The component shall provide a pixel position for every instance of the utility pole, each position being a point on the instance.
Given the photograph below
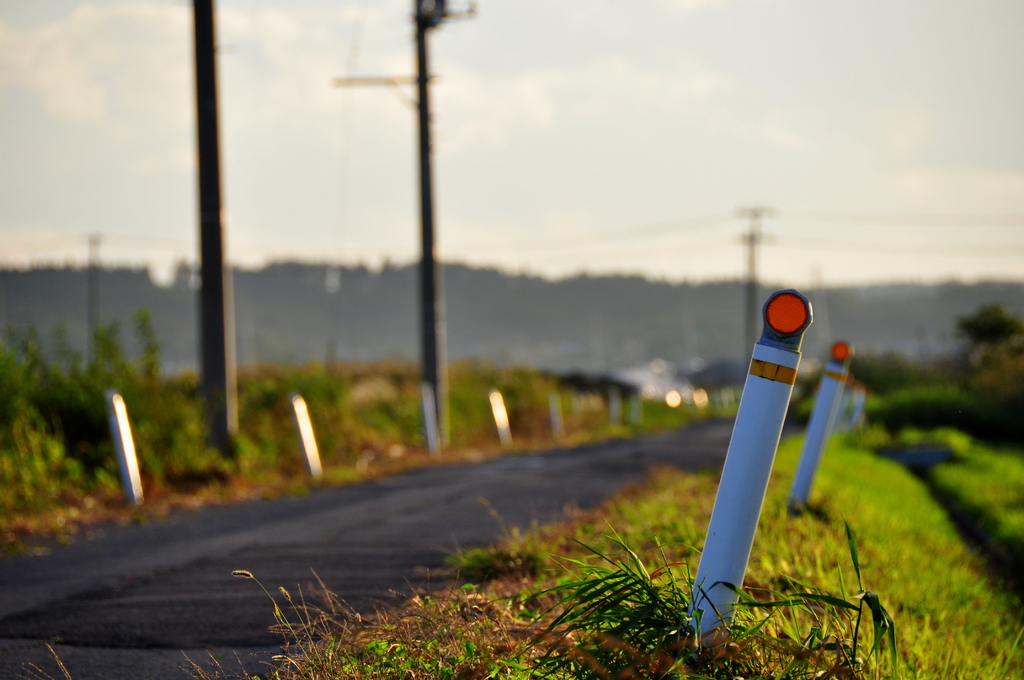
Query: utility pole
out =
(433, 340)
(432, 321)
(92, 310)
(753, 239)
(216, 315)
(821, 307)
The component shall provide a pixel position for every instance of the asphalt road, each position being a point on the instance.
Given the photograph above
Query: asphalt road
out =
(132, 601)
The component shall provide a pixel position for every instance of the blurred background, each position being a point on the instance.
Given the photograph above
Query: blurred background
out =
(596, 164)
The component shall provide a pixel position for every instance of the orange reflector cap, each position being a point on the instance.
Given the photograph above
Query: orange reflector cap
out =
(841, 351)
(787, 313)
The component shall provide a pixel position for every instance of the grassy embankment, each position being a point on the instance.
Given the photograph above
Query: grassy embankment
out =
(57, 465)
(983, 481)
(952, 619)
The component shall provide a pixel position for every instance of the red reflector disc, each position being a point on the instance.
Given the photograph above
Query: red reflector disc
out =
(786, 313)
(840, 351)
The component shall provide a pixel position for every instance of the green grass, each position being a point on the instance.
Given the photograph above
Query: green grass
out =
(953, 619)
(988, 484)
(609, 590)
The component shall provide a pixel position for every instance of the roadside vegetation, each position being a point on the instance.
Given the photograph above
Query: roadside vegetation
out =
(979, 391)
(57, 463)
(604, 595)
(986, 483)
(874, 581)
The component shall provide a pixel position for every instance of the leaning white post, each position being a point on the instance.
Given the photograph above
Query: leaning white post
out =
(860, 397)
(841, 423)
(307, 442)
(124, 445)
(826, 406)
(429, 410)
(555, 411)
(500, 417)
(748, 463)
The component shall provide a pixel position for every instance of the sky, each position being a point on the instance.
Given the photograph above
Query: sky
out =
(570, 136)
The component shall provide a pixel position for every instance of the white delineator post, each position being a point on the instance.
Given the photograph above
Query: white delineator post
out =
(823, 416)
(307, 442)
(636, 409)
(851, 406)
(555, 412)
(748, 463)
(614, 406)
(429, 409)
(124, 445)
(860, 397)
(500, 417)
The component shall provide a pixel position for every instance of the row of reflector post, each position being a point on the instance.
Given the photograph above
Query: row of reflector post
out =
(756, 433)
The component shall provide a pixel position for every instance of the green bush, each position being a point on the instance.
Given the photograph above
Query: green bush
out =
(886, 373)
(930, 407)
(55, 442)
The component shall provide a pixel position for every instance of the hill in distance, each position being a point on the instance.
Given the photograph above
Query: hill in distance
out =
(293, 313)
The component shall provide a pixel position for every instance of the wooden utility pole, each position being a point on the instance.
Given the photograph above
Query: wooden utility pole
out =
(753, 239)
(216, 314)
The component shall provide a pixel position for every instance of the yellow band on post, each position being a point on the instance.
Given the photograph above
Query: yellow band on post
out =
(770, 371)
(835, 376)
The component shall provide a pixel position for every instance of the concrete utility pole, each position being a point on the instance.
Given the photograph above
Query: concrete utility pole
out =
(433, 340)
(92, 310)
(216, 314)
(752, 239)
(432, 321)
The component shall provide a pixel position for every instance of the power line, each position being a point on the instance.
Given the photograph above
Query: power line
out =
(619, 252)
(618, 234)
(904, 219)
(554, 246)
(909, 248)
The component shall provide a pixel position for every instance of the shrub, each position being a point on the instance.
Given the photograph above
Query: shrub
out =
(930, 407)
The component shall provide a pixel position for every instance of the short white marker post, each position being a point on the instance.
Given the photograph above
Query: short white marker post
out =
(823, 416)
(614, 406)
(842, 419)
(860, 397)
(555, 412)
(636, 409)
(124, 445)
(429, 412)
(748, 463)
(307, 442)
(500, 417)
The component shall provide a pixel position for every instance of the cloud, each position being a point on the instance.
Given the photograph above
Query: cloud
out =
(127, 67)
(118, 64)
(487, 109)
(483, 110)
(907, 129)
(959, 189)
(689, 6)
